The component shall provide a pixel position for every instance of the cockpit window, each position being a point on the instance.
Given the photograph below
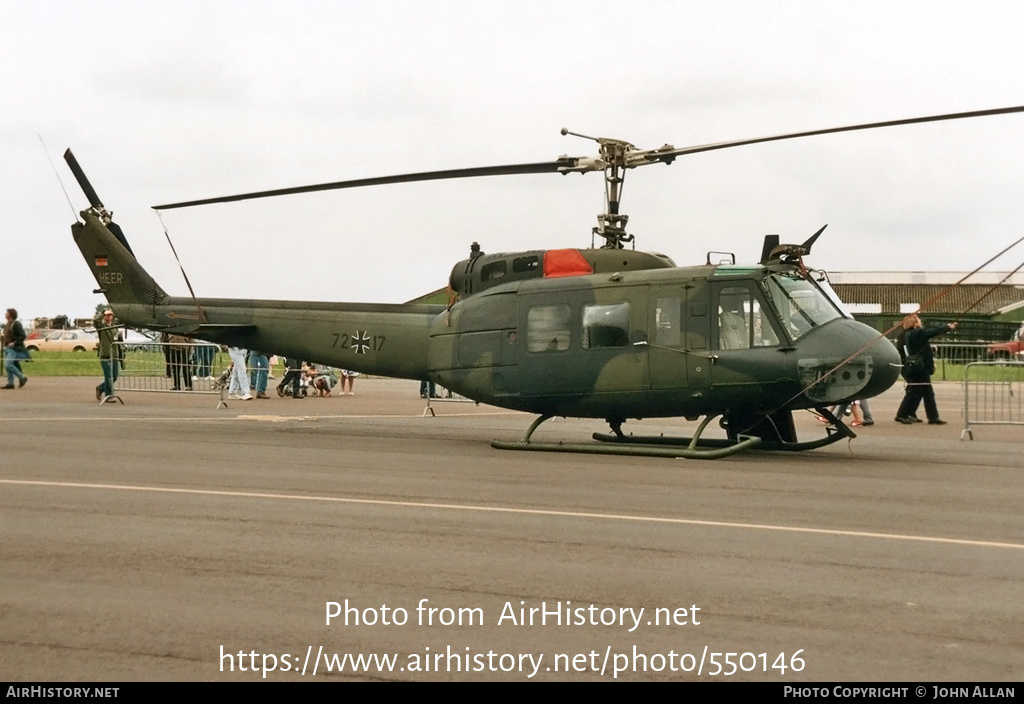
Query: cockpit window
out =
(801, 304)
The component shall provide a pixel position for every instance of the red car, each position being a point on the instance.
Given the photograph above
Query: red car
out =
(1013, 349)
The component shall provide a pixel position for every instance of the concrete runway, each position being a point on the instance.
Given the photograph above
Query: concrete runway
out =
(168, 540)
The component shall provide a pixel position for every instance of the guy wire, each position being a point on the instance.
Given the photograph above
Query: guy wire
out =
(202, 315)
(57, 174)
(989, 291)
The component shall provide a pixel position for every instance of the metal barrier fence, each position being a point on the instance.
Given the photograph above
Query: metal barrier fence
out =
(992, 395)
(193, 368)
(170, 367)
(952, 358)
(442, 395)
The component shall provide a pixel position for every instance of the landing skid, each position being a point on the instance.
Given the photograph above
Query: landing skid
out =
(689, 448)
(721, 442)
(620, 447)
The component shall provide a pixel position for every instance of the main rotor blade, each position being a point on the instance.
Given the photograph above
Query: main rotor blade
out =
(669, 154)
(511, 169)
(576, 164)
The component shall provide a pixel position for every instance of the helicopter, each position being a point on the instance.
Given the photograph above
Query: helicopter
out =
(603, 332)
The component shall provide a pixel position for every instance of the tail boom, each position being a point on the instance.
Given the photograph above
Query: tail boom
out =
(390, 340)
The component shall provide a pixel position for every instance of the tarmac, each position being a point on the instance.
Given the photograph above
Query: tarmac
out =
(354, 538)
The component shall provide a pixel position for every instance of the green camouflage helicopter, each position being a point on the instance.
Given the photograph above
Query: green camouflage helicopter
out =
(603, 332)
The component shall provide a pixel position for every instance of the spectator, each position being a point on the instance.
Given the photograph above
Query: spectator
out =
(348, 378)
(179, 352)
(239, 387)
(918, 366)
(109, 354)
(260, 364)
(293, 376)
(14, 350)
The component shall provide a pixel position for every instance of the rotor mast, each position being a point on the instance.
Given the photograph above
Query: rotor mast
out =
(611, 224)
(616, 156)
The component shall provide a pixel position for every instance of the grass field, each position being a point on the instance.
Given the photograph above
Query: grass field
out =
(979, 372)
(88, 364)
(62, 364)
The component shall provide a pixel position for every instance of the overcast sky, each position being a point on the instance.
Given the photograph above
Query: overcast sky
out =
(166, 101)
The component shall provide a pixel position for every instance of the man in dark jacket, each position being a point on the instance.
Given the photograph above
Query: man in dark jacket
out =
(14, 350)
(918, 367)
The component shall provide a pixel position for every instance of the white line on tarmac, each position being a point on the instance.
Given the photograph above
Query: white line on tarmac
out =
(418, 415)
(165, 419)
(525, 511)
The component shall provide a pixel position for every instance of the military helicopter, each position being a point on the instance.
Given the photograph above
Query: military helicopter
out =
(609, 332)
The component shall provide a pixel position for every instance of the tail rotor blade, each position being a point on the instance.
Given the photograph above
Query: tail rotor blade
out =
(90, 193)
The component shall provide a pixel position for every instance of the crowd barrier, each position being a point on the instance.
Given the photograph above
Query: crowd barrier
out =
(952, 357)
(443, 395)
(170, 367)
(178, 367)
(992, 395)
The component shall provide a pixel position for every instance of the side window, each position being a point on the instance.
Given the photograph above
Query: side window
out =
(667, 321)
(606, 325)
(742, 322)
(494, 270)
(733, 318)
(524, 264)
(547, 328)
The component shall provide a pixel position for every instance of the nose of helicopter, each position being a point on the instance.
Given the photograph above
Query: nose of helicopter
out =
(886, 361)
(846, 360)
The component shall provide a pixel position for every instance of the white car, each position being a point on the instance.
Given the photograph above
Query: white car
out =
(64, 341)
(140, 341)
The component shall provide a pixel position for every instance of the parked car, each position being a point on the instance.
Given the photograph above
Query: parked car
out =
(39, 333)
(134, 340)
(140, 340)
(1012, 349)
(64, 341)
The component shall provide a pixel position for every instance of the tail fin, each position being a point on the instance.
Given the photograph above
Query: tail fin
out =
(120, 276)
(106, 250)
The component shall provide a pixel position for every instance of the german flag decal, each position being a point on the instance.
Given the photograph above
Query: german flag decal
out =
(101, 261)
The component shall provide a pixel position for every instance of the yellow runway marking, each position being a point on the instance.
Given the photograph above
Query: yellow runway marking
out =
(525, 511)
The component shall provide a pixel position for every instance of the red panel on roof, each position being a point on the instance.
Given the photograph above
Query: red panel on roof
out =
(565, 262)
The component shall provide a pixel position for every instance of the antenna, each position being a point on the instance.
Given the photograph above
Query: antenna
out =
(57, 174)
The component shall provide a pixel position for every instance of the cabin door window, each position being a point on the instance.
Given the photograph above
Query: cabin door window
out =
(605, 325)
(547, 328)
